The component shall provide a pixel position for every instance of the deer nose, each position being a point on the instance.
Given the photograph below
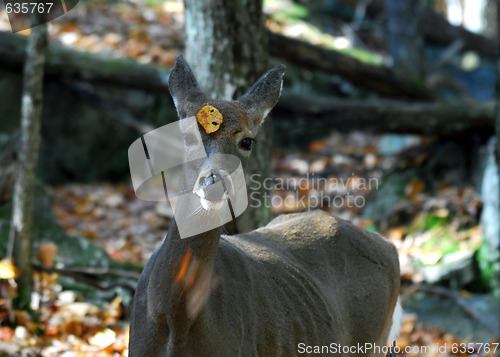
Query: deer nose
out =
(210, 180)
(213, 186)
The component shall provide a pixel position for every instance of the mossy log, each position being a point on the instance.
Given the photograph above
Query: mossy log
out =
(388, 116)
(66, 63)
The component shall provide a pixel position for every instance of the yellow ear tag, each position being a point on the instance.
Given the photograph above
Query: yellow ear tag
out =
(209, 118)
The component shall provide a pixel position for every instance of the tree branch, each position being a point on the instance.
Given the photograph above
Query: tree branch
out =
(81, 273)
(106, 107)
(388, 116)
(70, 64)
(455, 296)
(378, 78)
(438, 30)
(66, 63)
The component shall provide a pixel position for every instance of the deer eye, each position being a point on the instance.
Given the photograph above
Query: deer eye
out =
(246, 144)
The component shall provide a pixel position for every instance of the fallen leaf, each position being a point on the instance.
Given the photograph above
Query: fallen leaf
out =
(114, 311)
(6, 334)
(413, 189)
(7, 269)
(430, 258)
(103, 339)
(397, 233)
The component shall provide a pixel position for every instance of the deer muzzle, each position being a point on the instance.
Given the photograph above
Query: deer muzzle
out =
(213, 189)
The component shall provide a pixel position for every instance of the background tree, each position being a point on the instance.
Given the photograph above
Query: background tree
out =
(31, 111)
(406, 44)
(226, 46)
(497, 151)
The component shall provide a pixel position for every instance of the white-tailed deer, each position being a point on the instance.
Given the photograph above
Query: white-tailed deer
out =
(306, 284)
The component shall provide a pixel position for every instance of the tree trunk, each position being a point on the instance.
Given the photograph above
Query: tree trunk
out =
(31, 111)
(490, 15)
(406, 44)
(227, 50)
(497, 148)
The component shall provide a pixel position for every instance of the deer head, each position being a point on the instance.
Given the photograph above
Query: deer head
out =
(227, 129)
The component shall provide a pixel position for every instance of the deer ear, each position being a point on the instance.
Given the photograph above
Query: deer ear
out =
(263, 95)
(184, 89)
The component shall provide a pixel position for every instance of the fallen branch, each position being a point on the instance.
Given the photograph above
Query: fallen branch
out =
(379, 78)
(455, 296)
(90, 271)
(438, 30)
(387, 116)
(81, 273)
(69, 64)
(66, 63)
(106, 107)
(380, 116)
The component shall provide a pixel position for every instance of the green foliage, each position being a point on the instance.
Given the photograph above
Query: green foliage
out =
(363, 56)
(441, 234)
(371, 229)
(432, 221)
(291, 15)
(155, 2)
(441, 242)
(292, 12)
(428, 221)
(489, 266)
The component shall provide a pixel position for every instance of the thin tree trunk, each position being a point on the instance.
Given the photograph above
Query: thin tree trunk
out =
(227, 50)
(497, 151)
(31, 110)
(489, 12)
(406, 43)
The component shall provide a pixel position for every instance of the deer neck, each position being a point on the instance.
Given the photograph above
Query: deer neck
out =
(182, 274)
(201, 247)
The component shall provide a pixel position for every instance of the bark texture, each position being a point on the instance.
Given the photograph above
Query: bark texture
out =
(497, 148)
(378, 78)
(66, 63)
(388, 116)
(31, 111)
(406, 44)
